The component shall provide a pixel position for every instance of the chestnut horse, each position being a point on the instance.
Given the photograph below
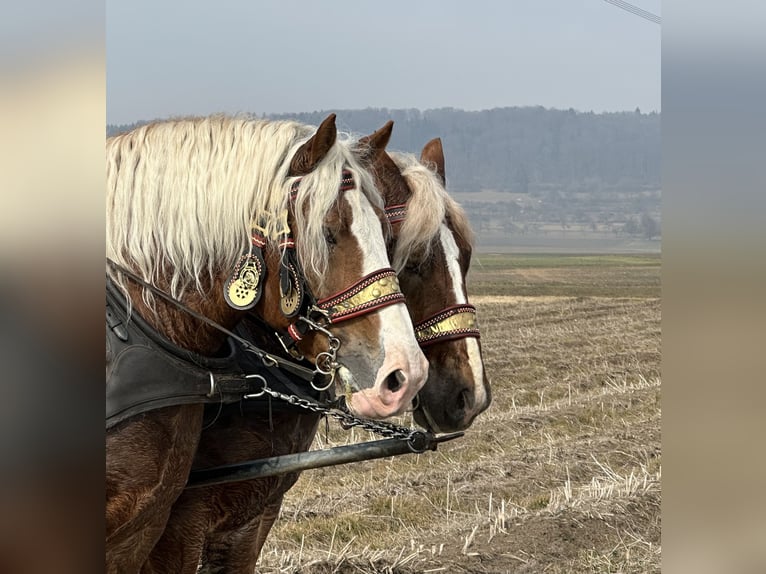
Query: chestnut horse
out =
(432, 250)
(186, 200)
(432, 255)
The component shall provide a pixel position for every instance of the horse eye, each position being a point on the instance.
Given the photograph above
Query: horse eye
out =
(329, 237)
(420, 262)
(413, 267)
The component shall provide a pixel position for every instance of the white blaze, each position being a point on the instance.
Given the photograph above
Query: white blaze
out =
(452, 255)
(397, 335)
(395, 320)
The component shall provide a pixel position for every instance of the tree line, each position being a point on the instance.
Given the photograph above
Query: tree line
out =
(519, 149)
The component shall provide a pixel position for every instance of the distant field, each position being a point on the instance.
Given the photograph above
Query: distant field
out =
(565, 275)
(484, 261)
(562, 474)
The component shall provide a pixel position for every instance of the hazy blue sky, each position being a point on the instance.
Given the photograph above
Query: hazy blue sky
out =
(203, 56)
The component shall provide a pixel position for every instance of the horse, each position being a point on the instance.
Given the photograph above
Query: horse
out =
(213, 219)
(431, 246)
(432, 255)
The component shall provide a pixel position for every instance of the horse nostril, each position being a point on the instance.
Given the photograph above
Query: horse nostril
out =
(394, 381)
(464, 400)
(460, 402)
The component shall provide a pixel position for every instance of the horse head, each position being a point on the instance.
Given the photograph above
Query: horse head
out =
(329, 290)
(431, 252)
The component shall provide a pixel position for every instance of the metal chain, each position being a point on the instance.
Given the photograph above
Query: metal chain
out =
(346, 419)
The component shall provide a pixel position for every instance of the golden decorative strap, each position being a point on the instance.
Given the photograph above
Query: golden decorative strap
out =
(454, 322)
(376, 290)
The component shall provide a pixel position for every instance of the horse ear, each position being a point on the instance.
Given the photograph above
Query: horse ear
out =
(371, 146)
(433, 153)
(313, 151)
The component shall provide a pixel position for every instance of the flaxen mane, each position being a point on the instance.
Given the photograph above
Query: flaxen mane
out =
(181, 194)
(428, 207)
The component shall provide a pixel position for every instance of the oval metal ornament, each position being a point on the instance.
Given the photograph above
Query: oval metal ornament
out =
(243, 290)
(290, 302)
(290, 286)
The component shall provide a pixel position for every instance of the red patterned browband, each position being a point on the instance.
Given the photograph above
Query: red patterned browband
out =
(374, 291)
(346, 183)
(396, 213)
(287, 242)
(454, 322)
(257, 238)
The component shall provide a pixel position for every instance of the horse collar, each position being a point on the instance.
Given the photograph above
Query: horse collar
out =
(147, 371)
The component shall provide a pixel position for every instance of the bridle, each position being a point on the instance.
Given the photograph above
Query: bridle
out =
(450, 323)
(370, 293)
(243, 290)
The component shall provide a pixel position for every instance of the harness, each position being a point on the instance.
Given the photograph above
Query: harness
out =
(244, 287)
(453, 322)
(146, 371)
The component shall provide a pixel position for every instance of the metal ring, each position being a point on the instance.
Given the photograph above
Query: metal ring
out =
(325, 314)
(269, 361)
(316, 326)
(321, 358)
(418, 441)
(263, 388)
(212, 385)
(334, 343)
(330, 384)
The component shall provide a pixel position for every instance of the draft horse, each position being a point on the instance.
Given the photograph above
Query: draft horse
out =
(431, 250)
(432, 256)
(213, 219)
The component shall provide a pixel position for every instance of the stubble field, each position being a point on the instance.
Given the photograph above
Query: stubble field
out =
(561, 474)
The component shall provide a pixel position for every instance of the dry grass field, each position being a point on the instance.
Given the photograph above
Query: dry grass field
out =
(561, 474)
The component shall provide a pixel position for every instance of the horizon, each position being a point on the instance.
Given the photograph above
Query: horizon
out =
(387, 109)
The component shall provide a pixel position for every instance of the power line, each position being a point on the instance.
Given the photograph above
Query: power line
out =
(636, 10)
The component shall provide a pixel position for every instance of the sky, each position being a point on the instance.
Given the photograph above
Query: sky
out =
(197, 57)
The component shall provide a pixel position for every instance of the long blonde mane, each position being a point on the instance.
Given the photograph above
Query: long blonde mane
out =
(429, 206)
(182, 195)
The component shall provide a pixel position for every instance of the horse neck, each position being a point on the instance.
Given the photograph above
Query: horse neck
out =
(181, 328)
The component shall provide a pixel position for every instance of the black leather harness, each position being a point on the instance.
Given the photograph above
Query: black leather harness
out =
(146, 371)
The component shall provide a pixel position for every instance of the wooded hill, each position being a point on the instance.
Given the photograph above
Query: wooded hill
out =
(536, 178)
(522, 150)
